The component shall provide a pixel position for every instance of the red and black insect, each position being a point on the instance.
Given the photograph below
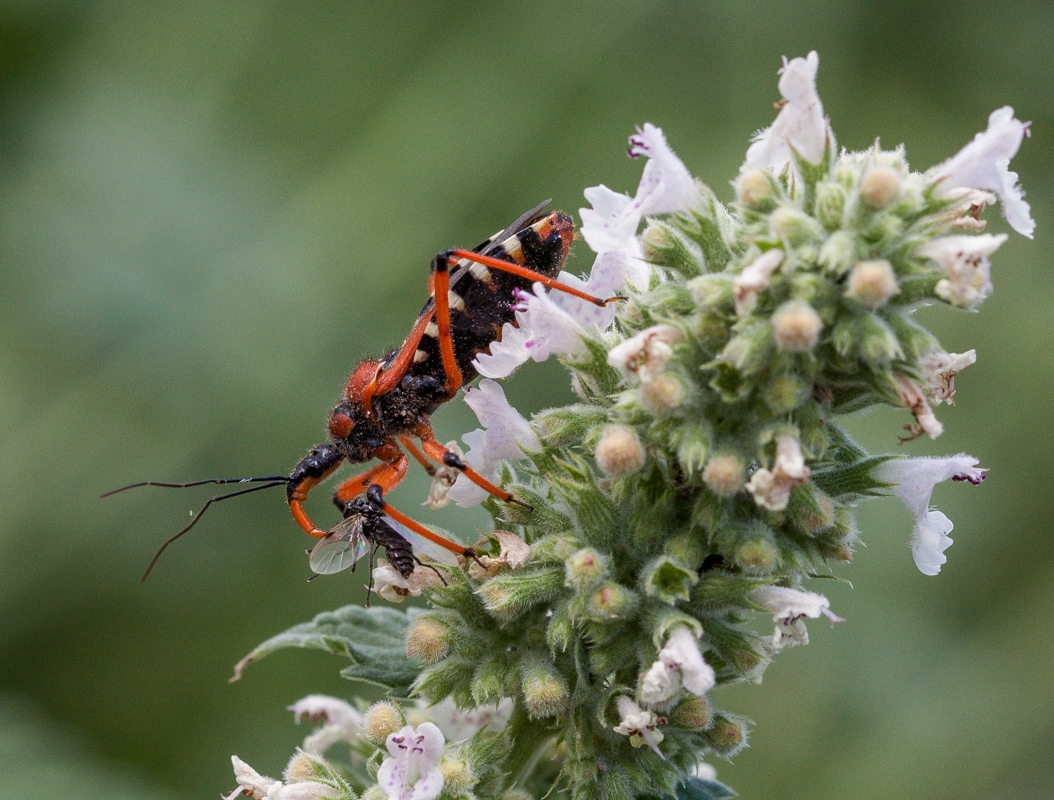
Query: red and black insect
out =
(388, 402)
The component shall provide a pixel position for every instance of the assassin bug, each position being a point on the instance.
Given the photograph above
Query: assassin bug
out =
(388, 402)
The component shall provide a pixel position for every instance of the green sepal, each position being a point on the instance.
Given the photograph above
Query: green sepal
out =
(668, 580)
(851, 482)
(564, 427)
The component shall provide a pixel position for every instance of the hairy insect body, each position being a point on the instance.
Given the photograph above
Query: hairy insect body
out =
(482, 301)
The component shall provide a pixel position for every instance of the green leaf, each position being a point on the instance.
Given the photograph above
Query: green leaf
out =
(371, 638)
(699, 789)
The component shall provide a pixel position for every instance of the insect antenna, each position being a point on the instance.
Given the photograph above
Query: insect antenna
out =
(266, 482)
(264, 479)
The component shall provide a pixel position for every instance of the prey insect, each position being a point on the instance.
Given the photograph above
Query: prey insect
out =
(387, 403)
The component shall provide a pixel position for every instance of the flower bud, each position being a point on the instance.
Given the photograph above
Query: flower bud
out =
(793, 226)
(878, 342)
(758, 556)
(819, 518)
(872, 283)
(785, 393)
(726, 736)
(458, 776)
(830, 202)
(611, 601)
(688, 549)
(301, 767)
(427, 639)
(585, 569)
(662, 394)
(694, 713)
(880, 186)
(620, 451)
(381, 720)
(796, 326)
(838, 253)
(715, 290)
(724, 475)
(545, 692)
(754, 188)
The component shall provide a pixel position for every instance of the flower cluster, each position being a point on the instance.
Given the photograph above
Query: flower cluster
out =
(701, 479)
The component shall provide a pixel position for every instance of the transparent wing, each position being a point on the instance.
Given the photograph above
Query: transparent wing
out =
(340, 548)
(422, 545)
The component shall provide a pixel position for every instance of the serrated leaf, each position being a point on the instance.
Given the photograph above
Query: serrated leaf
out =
(371, 638)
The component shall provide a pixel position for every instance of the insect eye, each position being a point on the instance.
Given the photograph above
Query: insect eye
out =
(340, 425)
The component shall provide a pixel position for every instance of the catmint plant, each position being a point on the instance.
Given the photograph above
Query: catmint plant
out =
(703, 477)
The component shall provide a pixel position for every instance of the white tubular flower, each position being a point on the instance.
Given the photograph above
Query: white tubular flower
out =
(665, 186)
(459, 725)
(800, 126)
(393, 587)
(914, 398)
(772, 488)
(639, 725)
(646, 354)
(964, 260)
(939, 371)
(985, 164)
(549, 323)
(659, 684)
(343, 721)
(442, 480)
(542, 329)
(913, 481)
(682, 653)
(412, 772)
(259, 787)
(755, 278)
(507, 435)
(789, 607)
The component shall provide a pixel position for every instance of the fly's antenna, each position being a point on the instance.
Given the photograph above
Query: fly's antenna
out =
(265, 482)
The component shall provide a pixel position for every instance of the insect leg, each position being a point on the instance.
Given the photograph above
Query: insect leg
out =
(530, 274)
(313, 468)
(356, 485)
(408, 443)
(441, 294)
(433, 448)
(376, 495)
(389, 378)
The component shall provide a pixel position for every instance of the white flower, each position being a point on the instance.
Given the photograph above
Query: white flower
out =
(939, 370)
(393, 587)
(659, 684)
(913, 481)
(753, 279)
(343, 722)
(789, 607)
(646, 354)
(800, 126)
(914, 398)
(442, 479)
(514, 553)
(554, 322)
(772, 488)
(665, 186)
(985, 164)
(964, 260)
(682, 653)
(704, 771)
(639, 725)
(507, 436)
(458, 725)
(252, 784)
(412, 772)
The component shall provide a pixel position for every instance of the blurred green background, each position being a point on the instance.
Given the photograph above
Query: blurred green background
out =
(209, 212)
